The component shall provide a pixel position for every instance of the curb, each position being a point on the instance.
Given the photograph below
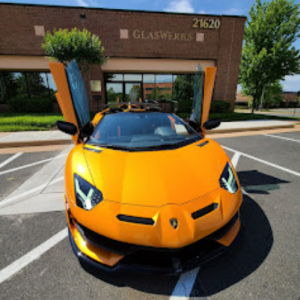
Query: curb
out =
(69, 141)
(34, 143)
(218, 131)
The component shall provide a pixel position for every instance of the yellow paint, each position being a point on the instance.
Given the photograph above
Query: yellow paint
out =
(209, 80)
(151, 185)
(63, 95)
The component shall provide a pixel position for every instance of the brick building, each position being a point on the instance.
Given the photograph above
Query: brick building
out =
(145, 48)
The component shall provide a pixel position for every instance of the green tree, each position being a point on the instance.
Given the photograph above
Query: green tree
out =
(268, 55)
(184, 87)
(64, 45)
(273, 94)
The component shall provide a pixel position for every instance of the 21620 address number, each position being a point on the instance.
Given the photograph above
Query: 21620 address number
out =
(206, 23)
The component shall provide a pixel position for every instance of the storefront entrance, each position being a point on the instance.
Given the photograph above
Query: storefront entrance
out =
(132, 87)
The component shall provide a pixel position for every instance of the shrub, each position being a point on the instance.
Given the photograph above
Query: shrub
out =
(218, 106)
(185, 106)
(21, 103)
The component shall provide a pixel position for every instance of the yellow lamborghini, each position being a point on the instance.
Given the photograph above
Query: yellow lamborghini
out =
(144, 190)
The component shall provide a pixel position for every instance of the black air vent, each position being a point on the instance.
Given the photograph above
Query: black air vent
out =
(83, 16)
(203, 144)
(204, 211)
(136, 220)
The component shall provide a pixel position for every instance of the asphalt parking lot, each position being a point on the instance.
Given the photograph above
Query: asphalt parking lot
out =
(37, 261)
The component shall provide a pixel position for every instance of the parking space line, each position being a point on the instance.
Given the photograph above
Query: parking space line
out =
(282, 138)
(235, 159)
(10, 159)
(184, 285)
(187, 280)
(4, 202)
(31, 164)
(264, 162)
(34, 254)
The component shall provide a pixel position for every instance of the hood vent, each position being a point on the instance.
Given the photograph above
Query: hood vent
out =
(204, 211)
(203, 144)
(136, 220)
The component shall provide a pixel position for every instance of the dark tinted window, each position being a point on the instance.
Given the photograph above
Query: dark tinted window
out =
(142, 130)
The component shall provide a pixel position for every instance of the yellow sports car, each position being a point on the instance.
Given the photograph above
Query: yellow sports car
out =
(144, 190)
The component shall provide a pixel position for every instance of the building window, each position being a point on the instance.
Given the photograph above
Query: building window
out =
(32, 84)
(131, 87)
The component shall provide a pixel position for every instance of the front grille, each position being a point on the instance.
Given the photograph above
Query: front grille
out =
(204, 211)
(159, 254)
(104, 242)
(191, 255)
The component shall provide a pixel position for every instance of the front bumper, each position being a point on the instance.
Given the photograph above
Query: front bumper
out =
(165, 261)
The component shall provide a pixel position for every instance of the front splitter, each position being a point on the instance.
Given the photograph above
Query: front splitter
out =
(150, 269)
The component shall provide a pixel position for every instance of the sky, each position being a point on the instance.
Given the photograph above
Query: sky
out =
(226, 7)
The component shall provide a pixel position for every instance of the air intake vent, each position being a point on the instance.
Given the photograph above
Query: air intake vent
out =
(203, 144)
(136, 220)
(204, 211)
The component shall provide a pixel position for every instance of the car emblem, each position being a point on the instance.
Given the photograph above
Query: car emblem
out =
(174, 223)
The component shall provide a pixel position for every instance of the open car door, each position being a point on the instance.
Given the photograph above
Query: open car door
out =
(203, 89)
(71, 96)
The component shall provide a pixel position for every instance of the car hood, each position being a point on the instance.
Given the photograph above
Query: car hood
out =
(154, 178)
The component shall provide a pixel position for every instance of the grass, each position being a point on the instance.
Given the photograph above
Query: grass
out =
(39, 122)
(237, 116)
(25, 122)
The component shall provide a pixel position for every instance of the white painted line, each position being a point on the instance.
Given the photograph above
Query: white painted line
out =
(34, 254)
(282, 138)
(235, 159)
(10, 159)
(187, 280)
(265, 162)
(4, 202)
(31, 164)
(184, 285)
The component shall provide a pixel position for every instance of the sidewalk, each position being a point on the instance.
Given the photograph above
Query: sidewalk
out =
(252, 125)
(55, 137)
(33, 138)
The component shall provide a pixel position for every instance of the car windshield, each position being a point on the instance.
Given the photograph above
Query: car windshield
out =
(142, 131)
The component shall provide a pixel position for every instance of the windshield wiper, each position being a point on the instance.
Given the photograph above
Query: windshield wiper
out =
(115, 147)
(169, 145)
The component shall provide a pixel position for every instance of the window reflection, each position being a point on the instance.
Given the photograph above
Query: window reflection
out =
(163, 87)
(154, 86)
(38, 85)
(132, 77)
(31, 84)
(114, 91)
(148, 87)
(114, 77)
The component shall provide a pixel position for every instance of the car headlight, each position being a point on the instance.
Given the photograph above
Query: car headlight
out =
(228, 180)
(87, 196)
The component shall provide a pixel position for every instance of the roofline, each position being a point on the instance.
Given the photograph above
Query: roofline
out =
(122, 10)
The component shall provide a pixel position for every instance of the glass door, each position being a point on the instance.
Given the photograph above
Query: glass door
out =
(133, 91)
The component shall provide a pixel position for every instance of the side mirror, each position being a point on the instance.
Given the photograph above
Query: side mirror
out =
(211, 124)
(195, 125)
(67, 127)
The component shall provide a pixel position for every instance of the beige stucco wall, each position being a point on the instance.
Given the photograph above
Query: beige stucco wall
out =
(155, 65)
(16, 62)
(9, 62)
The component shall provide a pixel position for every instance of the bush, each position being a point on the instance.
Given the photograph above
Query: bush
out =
(22, 103)
(185, 106)
(218, 106)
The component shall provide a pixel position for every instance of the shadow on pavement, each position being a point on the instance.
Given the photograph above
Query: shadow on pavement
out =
(255, 182)
(248, 254)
